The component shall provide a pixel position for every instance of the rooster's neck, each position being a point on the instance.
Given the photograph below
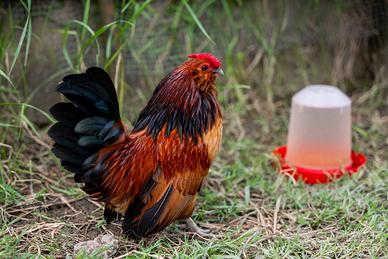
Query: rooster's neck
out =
(177, 104)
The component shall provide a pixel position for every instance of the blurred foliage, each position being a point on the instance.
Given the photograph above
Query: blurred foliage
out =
(269, 49)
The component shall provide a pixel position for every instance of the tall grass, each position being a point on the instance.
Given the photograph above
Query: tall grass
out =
(10, 99)
(256, 212)
(140, 37)
(108, 44)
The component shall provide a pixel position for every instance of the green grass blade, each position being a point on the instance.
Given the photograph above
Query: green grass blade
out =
(103, 29)
(139, 10)
(114, 56)
(29, 31)
(197, 21)
(3, 74)
(85, 18)
(19, 46)
(84, 25)
(26, 105)
(64, 47)
(177, 16)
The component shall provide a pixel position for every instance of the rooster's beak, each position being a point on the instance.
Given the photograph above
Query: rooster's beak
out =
(218, 71)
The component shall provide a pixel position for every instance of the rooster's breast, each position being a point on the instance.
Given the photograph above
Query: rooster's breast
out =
(212, 139)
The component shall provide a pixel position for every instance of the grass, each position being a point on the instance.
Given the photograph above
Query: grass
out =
(251, 209)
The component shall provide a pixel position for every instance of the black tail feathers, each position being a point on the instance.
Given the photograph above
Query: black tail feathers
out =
(90, 121)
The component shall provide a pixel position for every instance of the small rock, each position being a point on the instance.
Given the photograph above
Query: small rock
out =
(105, 246)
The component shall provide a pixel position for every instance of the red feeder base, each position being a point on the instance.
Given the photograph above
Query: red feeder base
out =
(314, 176)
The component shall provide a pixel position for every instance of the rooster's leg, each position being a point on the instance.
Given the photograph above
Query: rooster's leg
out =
(194, 228)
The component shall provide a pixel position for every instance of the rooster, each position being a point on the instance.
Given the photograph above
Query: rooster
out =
(150, 175)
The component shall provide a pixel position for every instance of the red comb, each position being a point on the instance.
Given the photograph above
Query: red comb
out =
(214, 62)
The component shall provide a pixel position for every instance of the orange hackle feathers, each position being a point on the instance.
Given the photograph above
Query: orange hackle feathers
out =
(151, 175)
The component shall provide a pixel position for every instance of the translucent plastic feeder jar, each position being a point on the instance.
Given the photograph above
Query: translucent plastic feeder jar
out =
(319, 135)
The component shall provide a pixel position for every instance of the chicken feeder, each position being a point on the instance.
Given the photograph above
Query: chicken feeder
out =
(319, 137)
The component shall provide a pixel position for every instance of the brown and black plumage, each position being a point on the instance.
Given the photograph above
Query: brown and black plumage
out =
(150, 175)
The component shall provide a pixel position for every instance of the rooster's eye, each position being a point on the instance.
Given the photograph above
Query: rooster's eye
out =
(204, 67)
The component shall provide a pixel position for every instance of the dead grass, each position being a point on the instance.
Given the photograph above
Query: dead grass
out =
(251, 210)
